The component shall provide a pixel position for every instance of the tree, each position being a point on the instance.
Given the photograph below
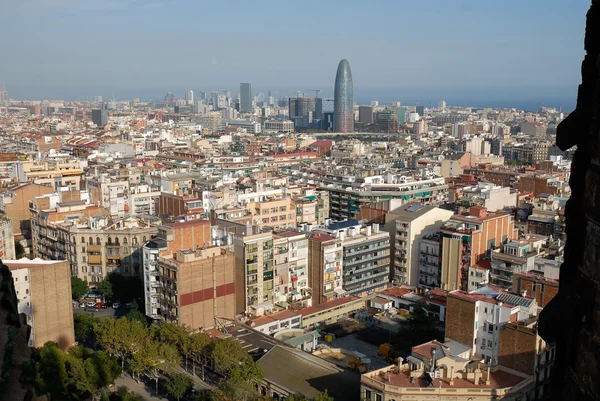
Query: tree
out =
(135, 315)
(227, 353)
(106, 289)
(195, 347)
(78, 288)
(178, 384)
(323, 396)
(78, 374)
(120, 337)
(154, 357)
(296, 397)
(19, 249)
(123, 394)
(84, 326)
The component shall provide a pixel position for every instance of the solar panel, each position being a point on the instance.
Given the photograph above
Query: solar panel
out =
(414, 208)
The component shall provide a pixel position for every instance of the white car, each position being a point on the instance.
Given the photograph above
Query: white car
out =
(91, 304)
(116, 305)
(82, 305)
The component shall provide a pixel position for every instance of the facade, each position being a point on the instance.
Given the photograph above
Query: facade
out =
(475, 318)
(512, 257)
(343, 99)
(100, 117)
(302, 111)
(365, 257)
(465, 240)
(387, 120)
(170, 239)
(279, 126)
(290, 259)
(254, 272)
(325, 267)
(14, 203)
(196, 286)
(408, 224)
(331, 311)
(43, 290)
(7, 239)
(345, 202)
(245, 98)
(365, 114)
(276, 213)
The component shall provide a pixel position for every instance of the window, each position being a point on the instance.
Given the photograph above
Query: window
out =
(489, 344)
(125, 241)
(25, 278)
(484, 326)
(91, 241)
(83, 249)
(490, 328)
(485, 310)
(84, 259)
(367, 394)
(27, 291)
(378, 397)
(82, 240)
(97, 240)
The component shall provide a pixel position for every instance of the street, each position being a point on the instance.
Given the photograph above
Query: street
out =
(108, 312)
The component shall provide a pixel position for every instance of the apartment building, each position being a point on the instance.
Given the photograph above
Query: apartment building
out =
(196, 286)
(43, 290)
(254, 270)
(54, 174)
(439, 372)
(177, 204)
(475, 318)
(103, 246)
(407, 225)
(7, 239)
(169, 239)
(345, 201)
(110, 194)
(325, 255)
(488, 195)
(290, 259)
(14, 203)
(275, 213)
(466, 240)
(429, 261)
(365, 256)
(512, 257)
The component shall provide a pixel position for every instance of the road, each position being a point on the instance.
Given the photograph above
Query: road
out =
(108, 312)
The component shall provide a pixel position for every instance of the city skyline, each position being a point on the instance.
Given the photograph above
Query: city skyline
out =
(518, 52)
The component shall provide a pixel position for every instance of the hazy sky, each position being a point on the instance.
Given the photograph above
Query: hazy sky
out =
(90, 47)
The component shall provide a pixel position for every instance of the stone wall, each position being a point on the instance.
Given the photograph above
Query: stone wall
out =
(572, 318)
(17, 369)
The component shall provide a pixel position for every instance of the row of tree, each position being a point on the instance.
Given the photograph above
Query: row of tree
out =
(156, 350)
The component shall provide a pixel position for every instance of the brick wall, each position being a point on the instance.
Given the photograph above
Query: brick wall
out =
(516, 349)
(460, 320)
(51, 304)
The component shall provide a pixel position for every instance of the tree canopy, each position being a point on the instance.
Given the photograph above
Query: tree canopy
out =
(78, 288)
(178, 384)
(76, 375)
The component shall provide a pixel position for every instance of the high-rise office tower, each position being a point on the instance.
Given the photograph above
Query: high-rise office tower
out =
(189, 96)
(245, 98)
(3, 94)
(442, 104)
(343, 99)
(100, 117)
(302, 111)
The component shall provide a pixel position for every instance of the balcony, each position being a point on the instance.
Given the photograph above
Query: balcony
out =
(95, 259)
(94, 248)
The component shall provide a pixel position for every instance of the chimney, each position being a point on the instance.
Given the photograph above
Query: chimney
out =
(400, 362)
(478, 211)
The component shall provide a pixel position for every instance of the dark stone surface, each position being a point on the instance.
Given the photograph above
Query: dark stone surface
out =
(572, 318)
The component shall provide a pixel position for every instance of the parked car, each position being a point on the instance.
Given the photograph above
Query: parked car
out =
(91, 309)
(104, 306)
(116, 305)
(82, 304)
(98, 305)
(91, 304)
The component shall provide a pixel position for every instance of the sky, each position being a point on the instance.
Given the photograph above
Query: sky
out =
(475, 51)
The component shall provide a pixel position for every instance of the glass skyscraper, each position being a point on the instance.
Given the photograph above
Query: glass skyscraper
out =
(343, 119)
(245, 98)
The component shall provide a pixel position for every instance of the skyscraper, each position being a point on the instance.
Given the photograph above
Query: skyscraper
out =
(189, 96)
(343, 99)
(245, 98)
(3, 94)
